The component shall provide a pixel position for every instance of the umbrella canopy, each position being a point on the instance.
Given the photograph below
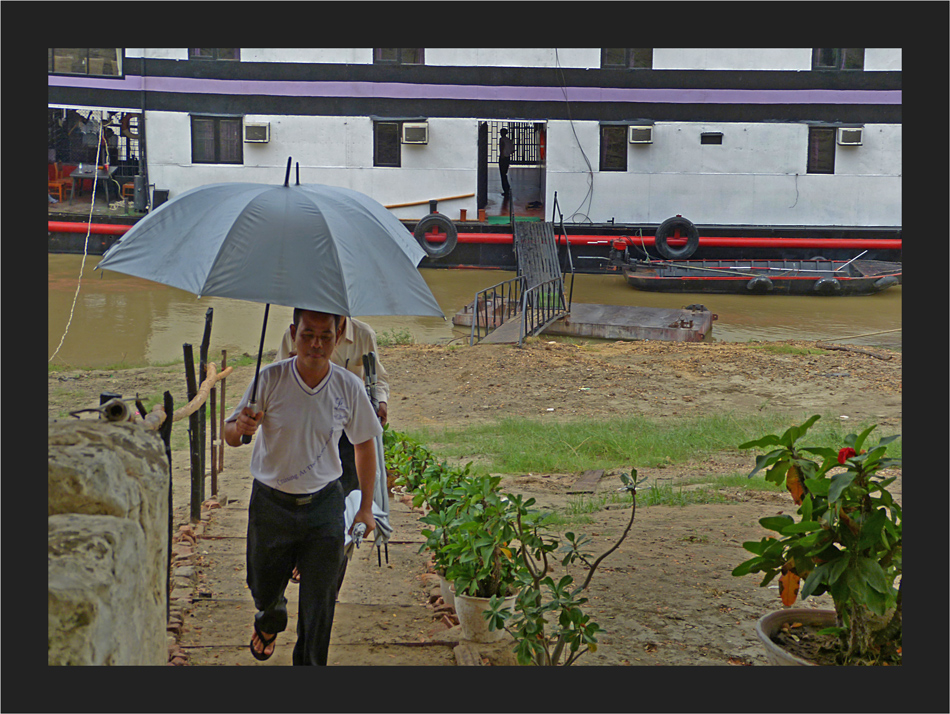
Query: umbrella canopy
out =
(316, 247)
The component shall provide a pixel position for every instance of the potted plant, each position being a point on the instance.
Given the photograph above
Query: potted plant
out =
(547, 622)
(433, 486)
(846, 541)
(482, 557)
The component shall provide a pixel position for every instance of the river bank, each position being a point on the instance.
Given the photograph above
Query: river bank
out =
(666, 596)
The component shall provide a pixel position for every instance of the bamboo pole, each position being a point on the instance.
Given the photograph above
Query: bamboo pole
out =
(157, 416)
(202, 395)
(420, 203)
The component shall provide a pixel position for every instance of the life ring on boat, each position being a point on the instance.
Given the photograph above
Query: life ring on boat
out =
(667, 228)
(828, 286)
(438, 222)
(126, 126)
(760, 285)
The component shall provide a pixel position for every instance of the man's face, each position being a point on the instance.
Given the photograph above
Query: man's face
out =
(314, 337)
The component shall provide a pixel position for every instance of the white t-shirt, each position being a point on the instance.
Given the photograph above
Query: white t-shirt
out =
(296, 447)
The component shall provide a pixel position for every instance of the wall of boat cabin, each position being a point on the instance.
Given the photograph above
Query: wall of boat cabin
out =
(757, 175)
(716, 58)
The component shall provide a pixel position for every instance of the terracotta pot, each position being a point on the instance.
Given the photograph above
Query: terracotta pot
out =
(771, 623)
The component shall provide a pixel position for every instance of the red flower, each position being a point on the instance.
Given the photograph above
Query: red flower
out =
(845, 454)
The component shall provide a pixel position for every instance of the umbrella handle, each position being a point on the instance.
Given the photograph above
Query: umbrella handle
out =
(246, 438)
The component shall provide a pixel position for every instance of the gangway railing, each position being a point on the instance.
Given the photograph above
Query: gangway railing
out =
(496, 305)
(537, 292)
(569, 267)
(540, 306)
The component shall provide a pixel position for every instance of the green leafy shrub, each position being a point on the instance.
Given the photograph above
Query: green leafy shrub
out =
(847, 540)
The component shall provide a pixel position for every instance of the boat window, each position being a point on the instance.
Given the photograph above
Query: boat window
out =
(838, 58)
(386, 143)
(613, 147)
(399, 56)
(232, 54)
(95, 61)
(821, 150)
(631, 58)
(711, 137)
(216, 140)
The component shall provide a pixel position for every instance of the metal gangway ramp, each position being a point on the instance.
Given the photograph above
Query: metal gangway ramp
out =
(527, 304)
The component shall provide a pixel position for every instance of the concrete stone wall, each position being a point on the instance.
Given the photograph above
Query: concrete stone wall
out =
(107, 544)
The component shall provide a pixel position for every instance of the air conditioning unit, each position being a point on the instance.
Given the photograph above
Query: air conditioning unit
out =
(850, 136)
(641, 134)
(415, 132)
(257, 132)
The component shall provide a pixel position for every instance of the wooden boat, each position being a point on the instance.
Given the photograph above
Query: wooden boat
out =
(765, 277)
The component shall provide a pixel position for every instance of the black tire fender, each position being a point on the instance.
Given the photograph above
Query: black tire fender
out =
(760, 285)
(828, 286)
(885, 282)
(667, 228)
(444, 225)
(126, 126)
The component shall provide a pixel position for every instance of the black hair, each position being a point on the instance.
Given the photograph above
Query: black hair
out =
(298, 311)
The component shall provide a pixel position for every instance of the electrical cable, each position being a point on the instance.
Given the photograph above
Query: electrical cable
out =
(85, 249)
(589, 196)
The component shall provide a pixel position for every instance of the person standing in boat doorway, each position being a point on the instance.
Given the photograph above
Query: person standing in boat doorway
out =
(506, 148)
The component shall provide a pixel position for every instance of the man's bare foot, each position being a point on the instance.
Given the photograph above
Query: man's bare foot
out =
(262, 644)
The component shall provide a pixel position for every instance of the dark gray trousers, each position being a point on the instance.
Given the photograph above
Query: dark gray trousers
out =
(280, 535)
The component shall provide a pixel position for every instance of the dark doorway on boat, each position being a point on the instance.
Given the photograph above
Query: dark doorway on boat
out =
(526, 174)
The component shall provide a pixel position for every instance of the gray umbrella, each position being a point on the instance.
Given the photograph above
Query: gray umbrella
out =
(323, 248)
(316, 247)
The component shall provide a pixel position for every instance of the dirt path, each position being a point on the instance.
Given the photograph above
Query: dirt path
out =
(665, 597)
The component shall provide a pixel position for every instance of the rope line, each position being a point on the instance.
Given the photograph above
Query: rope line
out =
(85, 248)
(866, 334)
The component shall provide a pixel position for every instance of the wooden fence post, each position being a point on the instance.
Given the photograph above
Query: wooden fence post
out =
(166, 434)
(202, 412)
(197, 475)
(224, 365)
(212, 399)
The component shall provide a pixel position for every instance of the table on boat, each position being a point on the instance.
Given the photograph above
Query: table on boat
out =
(103, 178)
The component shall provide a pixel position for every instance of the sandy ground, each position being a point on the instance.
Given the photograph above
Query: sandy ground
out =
(666, 597)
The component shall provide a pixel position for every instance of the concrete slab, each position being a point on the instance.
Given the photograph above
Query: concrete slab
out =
(622, 322)
(611, 322)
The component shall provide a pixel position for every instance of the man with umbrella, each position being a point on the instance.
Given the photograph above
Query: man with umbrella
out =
(358, 342)
(295, 514)
(330, 251)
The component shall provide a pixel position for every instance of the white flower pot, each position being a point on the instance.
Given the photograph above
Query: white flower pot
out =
(474, 625)
(771, 623)
(448, 591)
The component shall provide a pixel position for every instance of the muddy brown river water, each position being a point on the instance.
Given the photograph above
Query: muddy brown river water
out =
(116, 318)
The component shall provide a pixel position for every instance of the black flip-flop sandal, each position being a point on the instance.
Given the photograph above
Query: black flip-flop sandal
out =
(260, 656)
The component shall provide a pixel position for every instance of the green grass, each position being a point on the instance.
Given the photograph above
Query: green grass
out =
(394, 337)
(788, 349)
(238, 361)
(530, 446)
